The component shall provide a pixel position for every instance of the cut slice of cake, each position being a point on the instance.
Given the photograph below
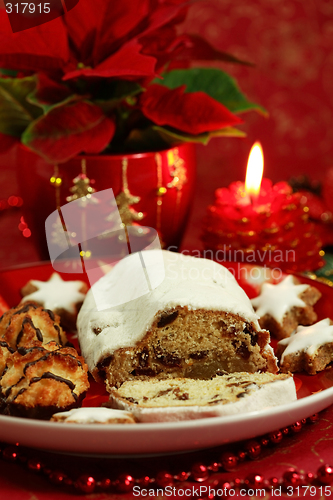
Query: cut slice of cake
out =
(197, 323)
(183, 398)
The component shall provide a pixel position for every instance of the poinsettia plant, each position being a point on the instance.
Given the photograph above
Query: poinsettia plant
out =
(113, 77)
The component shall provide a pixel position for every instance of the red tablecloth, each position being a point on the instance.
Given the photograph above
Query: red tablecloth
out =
(305, 450)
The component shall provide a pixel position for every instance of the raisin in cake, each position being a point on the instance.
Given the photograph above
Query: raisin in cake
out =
(183, 398)
(309, 348)
(284, 306)
(197, 323)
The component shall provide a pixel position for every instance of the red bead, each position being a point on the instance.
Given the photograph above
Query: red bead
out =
(303, 421)
(199, 472)
(238, 482)
(296, 427)
(35, 465)
(254, 480)
(104, 484)
(325, 474)
(143, 481)
(241, 455)
(226, 487)
(292, 478)
(264, 441)
(85, 483)
(56, 476)
(124, 483)
(275, 437)
(274, 481)
(314, 418)
(164, 478)
(214, 466)
(253, 449)
(310, 477)
(285, 431)
(228, 461)
(10, 453)
(182, 476)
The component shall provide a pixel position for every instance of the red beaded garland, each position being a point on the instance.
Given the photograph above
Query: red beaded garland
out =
(275, 437)
(56, 476)
(253, 449)
(143, 481)
(292, 478)
(164, 479)
(124, 483)
(85, 483)
(310, 477)
(296, 427)
(264, 441)
(214, 466)
(182, 476)
(199, 472)
(274, 481)
(238, 482)
(325, 474)
(104, 484)
(228, 461)
(35, 465)
(254, 480)
(10, 453)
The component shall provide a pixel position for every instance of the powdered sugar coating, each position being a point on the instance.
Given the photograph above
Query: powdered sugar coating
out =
(308, 338)
(277, 300)
(93, 416)
(56, 293)
(189, 281)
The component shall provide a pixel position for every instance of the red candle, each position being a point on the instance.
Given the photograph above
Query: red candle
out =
(258, 222)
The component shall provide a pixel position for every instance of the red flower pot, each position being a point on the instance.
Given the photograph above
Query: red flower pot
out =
(162, 181)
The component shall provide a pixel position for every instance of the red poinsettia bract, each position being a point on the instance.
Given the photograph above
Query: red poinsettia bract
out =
(86, 81)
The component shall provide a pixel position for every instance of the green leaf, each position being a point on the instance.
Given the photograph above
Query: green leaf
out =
(214, 82)
(172, 136)
(16, 113)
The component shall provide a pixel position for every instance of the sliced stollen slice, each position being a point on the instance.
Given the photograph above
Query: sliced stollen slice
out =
(196, 323)
(183, 399)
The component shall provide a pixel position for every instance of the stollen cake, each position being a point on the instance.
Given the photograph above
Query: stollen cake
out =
(196, 323)
(183, 398)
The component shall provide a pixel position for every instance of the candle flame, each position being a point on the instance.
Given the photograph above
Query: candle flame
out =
(255, 169)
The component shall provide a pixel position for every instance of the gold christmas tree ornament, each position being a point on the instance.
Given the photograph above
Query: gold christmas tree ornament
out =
(177, 170)
(82, 189)
(125, 199)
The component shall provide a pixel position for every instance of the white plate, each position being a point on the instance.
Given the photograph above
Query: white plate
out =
(315, 393)
(156, 438)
